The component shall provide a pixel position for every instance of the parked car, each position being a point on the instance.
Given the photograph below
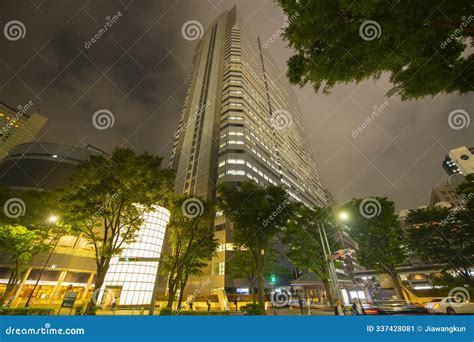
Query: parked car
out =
(450, 306)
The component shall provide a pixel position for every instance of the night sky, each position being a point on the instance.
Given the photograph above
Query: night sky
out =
(139, 68)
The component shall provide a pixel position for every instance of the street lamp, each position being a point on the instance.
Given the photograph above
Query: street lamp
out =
(54, 243)
(343, 216)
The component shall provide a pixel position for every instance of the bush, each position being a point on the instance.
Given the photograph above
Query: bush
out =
(29, 311)
(166, 312)
(204, 313)
(79, 310)
(251, 309)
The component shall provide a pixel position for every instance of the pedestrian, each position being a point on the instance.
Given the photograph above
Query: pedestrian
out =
(208, 304)
(338, 309)
(191, 304)
(300, 303)
(114, 304)
(355, 310)
(236, 303)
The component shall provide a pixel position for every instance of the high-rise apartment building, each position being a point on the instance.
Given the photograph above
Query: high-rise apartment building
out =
(18, 127)
(459, 160)
(240, 122)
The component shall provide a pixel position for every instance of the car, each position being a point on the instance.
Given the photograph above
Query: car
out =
(394, 307)
(450, 306)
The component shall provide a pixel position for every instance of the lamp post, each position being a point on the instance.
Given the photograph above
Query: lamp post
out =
(52, 219)
(332, 268)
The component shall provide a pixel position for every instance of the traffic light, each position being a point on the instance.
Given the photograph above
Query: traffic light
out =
(272, 279)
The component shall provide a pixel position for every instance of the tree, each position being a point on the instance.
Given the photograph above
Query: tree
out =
(376, 229)
(191, 242)
(107, 198)
(305, 250)
(259, 215)
(446, 235)
(25, 231)
(241, 265)
(424, 48)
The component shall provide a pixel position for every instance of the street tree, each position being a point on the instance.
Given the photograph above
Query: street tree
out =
(191, 243)
(259, 214)
(423, 48)
(375, 227)
(25, 231)
(304, 246)
(106, 200)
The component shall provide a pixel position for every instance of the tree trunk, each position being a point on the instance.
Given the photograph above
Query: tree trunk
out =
(328, 291)
(397, 286)
(260, 284)
(171, 292)
(101, 272)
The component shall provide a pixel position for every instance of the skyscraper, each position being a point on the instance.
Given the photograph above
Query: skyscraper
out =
(18, 127)
(459, 160)
(240, 122)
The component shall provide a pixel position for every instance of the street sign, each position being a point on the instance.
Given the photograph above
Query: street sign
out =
(69, 300)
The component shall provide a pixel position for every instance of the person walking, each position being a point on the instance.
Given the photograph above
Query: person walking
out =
(191, 301)
(300, 303)
(236, 303)
(338, 308)
(208, 304)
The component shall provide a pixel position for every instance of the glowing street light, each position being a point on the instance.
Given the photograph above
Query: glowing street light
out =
(344, 216)
(52, 219)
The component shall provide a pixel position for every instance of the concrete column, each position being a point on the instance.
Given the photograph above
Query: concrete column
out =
(17, 292)
(58, 285)
(88, 286)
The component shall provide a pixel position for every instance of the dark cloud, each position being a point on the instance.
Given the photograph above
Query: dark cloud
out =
(139, 68)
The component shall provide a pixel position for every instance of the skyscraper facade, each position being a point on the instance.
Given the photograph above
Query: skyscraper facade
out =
(18, 127)
(240, 122)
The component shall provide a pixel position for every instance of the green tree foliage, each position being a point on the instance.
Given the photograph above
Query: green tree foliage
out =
(446, 236)
(241, 265)
(305, 249)
(25, 231)
(107, 197)
(375, 227)
(421, 44)
(259, 214)
(191, 243)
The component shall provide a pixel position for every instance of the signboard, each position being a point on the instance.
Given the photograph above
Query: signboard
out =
(69, 300)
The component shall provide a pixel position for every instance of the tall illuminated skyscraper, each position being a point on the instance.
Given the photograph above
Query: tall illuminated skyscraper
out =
(17, 126)
(240, 122)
